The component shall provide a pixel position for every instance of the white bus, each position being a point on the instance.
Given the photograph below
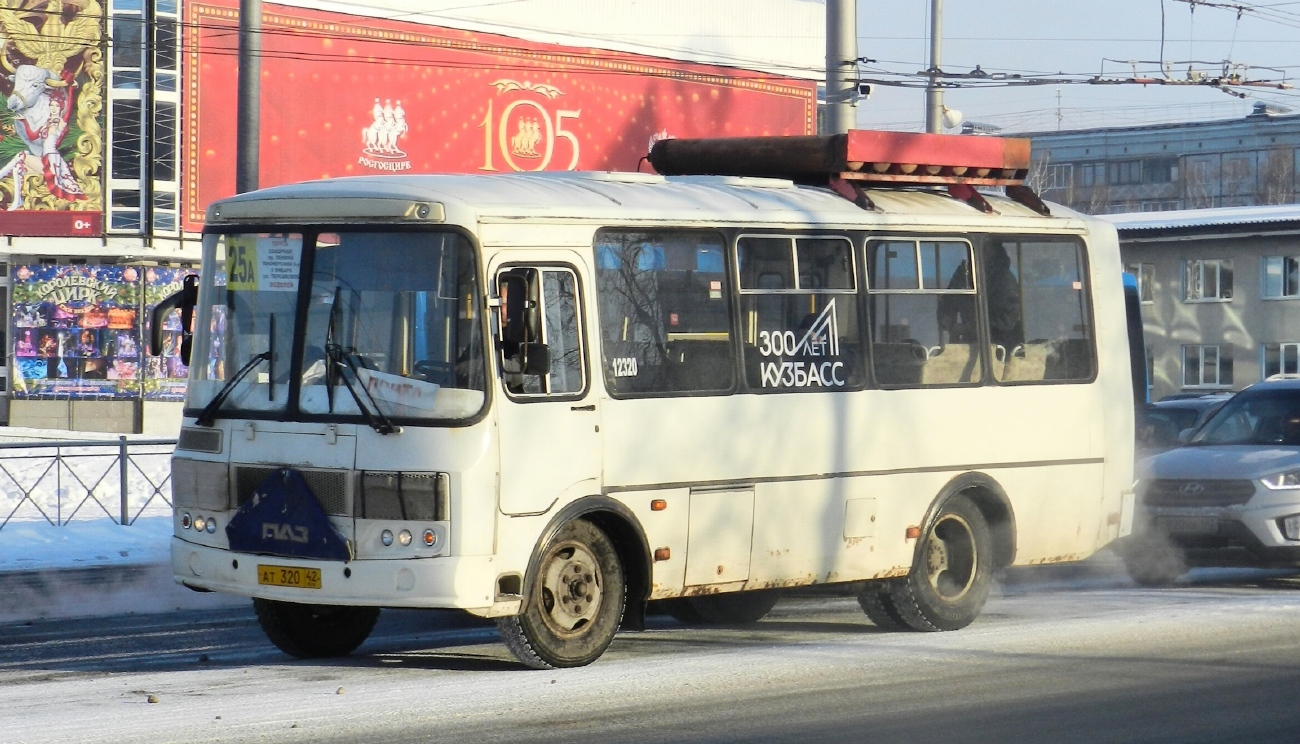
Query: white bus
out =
(553, 398)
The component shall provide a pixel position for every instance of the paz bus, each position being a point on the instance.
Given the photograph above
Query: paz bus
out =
(555, 398)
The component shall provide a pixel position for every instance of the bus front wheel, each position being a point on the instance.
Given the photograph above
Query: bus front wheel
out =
(949, 581)
(574, 603)
(314, 631)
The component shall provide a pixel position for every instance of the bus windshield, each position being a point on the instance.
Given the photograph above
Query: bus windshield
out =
(391, 327)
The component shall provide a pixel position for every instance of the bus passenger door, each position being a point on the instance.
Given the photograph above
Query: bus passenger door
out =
(548, 422)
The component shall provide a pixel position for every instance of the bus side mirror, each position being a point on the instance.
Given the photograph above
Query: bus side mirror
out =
(186, 299)
(536, 359)
(513, 287)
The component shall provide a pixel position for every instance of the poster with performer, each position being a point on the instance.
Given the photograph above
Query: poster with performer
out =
(76, 331)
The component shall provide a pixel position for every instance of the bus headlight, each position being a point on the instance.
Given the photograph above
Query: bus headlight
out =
(386, 537)
(212, 525)
(200, 524)
(430, 538)
(185, 521)
(404, 537)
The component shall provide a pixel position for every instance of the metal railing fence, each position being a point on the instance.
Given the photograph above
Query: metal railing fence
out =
(58, 479)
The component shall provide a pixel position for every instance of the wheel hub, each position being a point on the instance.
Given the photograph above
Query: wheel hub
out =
(951, 558)
(570, 589)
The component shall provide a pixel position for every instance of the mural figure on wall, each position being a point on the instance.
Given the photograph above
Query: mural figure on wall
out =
(52, 145)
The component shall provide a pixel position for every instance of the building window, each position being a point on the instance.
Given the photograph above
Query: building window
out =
(1207, 366)
(142, 113)
(1056, 177)
(1162, 170)
(1124, 172)
(1280, 359)
(1282, 276)
(1145, 274)
(1207, 280)
(1092, 174)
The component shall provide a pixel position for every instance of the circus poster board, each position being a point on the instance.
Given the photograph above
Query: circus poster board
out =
(76, 332)
(345, 95)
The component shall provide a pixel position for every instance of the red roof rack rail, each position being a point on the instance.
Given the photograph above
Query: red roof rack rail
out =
(846, 162)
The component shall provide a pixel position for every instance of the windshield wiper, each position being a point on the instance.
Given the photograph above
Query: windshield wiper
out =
(209, 412)
(346, 359)
(339, 358)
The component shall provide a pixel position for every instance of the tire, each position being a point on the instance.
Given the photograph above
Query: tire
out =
(574, 604)
(733, 608)
(1153, 562)
(878, 604)
(314, 631)
(950, 580)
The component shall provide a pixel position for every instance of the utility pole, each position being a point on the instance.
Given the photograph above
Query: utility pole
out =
(933, 95)
(841, 64)
(249, 115)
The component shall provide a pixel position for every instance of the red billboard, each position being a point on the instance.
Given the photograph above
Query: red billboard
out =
(344, 95)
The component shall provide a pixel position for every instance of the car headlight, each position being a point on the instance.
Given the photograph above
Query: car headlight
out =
(1287, 481)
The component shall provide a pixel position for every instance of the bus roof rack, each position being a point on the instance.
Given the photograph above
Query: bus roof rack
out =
(847, 162)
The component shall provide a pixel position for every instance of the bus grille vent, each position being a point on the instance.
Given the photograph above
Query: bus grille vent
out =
(330, 486)
(199, 440)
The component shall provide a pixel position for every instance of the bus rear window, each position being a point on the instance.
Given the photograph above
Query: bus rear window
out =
(665, 322)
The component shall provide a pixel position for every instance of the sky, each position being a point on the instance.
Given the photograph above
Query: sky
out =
(1044, 37)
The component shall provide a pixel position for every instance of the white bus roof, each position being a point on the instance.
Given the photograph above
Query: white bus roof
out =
(620, 198)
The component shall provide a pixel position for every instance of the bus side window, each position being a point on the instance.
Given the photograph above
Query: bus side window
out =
(1036, 296)
(925, 330)
(665, 322)
(798, 301)
(540, 340)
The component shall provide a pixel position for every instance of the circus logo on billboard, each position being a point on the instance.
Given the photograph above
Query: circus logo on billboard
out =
(51, 144)
(524, 134)
(380, 138)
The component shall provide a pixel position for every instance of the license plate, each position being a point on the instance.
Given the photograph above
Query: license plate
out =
(301, 578)
(1189, 525)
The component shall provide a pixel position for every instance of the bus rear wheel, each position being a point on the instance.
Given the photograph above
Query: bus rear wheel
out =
(734, 608)
(950, 579)
(574, 604)
(314, 631)
(878, 605)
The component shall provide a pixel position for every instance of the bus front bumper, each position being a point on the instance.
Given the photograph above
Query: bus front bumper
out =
(458, 582)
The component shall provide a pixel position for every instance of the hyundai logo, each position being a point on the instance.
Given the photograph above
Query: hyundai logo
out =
(1192, 488)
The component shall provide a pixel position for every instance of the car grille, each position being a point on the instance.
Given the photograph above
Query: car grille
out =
(1195, 492)
(329, 486)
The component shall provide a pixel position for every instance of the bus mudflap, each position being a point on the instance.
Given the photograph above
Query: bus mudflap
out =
(284, 518)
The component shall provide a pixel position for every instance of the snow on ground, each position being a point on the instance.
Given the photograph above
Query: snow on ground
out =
(63, 552)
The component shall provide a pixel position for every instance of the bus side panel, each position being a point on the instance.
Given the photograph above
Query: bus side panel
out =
(665, 528)
(1116, 378)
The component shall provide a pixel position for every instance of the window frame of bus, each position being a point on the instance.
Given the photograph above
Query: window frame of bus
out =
(292, 411)
(855, 276)
(728, 296)
(583, 348)
(1083, 253)
(981, 324)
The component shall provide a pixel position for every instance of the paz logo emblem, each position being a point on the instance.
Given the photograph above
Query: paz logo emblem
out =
(1192, 488)
(379, 140)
